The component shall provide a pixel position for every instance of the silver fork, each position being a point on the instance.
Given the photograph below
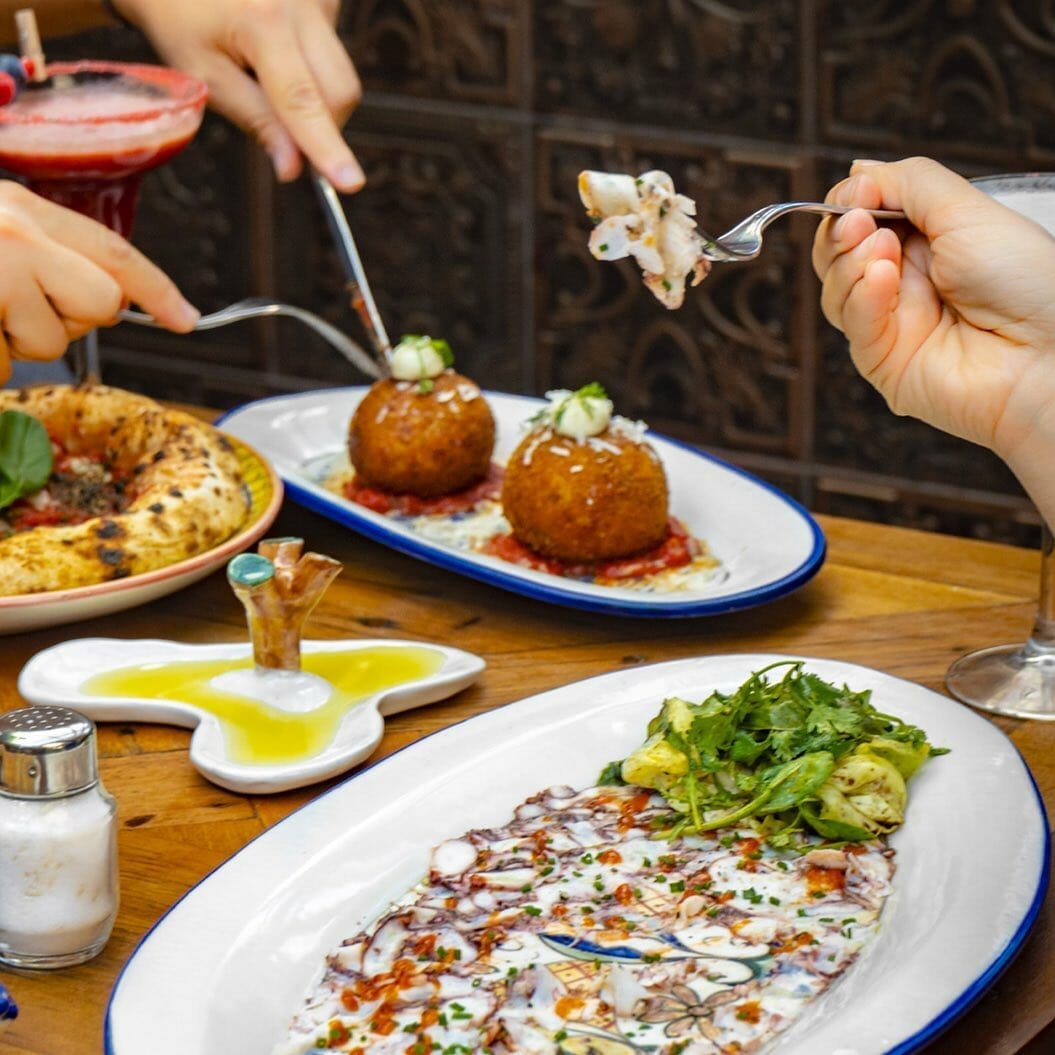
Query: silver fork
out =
(256, 307)
(744, 241)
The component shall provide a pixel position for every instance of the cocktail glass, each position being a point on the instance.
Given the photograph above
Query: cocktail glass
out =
(1018, 680)
(85, 137)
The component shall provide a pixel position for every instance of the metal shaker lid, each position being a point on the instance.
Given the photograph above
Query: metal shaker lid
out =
(46, 752)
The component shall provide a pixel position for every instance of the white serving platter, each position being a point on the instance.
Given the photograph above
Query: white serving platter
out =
(231, 962)
(767, 543)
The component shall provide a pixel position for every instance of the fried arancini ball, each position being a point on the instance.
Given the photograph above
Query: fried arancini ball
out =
(425, 439)
(599, 498)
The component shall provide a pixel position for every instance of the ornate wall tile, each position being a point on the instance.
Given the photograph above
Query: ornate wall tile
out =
(439, 228)
(113, 42)
(713, 66)
(450, 49)
(960, 76)
(855, 429)
(725, 369)
(910, 506)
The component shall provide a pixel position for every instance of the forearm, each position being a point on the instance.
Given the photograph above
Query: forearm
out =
(56, 18)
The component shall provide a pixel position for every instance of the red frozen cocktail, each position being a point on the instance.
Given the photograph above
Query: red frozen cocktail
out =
(84, 137)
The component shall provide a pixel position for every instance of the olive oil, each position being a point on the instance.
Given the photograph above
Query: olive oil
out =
(255, 732)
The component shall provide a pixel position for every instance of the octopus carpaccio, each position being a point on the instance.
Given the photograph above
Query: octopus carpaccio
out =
(575, 930)
(644, 217)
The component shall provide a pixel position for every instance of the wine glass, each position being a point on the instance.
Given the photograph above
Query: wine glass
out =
(1018, 680)
(84, 137)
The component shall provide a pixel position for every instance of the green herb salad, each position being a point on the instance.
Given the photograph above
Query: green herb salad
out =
(787, 754)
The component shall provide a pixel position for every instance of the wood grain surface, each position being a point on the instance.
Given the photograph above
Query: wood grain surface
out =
(905, 602)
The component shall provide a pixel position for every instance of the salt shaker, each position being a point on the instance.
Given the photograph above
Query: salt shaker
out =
(58, 841)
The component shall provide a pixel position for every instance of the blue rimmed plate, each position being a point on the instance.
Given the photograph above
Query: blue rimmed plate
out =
(228, 966)
(768, 544)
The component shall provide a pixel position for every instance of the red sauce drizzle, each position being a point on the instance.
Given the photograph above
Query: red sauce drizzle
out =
(824, 880)
(629, 810)
(676, 550)
(749, 1011)
(380, 501)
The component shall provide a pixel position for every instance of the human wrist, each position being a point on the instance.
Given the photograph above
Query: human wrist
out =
(1031, 461)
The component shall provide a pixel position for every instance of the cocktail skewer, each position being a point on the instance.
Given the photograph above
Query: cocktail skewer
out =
(29, 44)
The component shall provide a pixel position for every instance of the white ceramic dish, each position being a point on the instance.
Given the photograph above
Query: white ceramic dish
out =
(226, 968)
(768, 544)
(57, 674)
(25, 612)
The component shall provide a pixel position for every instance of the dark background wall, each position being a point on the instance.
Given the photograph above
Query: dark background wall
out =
(477, 117)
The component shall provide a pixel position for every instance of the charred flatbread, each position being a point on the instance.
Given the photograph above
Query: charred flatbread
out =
(136, 487)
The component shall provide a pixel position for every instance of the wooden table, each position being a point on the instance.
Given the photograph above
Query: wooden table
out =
(904, 602)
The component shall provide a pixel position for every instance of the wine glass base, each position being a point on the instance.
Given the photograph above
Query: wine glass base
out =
(1016, 680)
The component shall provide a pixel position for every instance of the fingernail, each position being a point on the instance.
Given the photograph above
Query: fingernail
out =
(348, 177)
(284, 161)
(186, 314)
(863, 163)
(839, 228)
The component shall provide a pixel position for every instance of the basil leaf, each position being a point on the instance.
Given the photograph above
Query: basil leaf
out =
(25, 456)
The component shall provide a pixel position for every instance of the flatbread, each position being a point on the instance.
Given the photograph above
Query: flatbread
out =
(184, 491)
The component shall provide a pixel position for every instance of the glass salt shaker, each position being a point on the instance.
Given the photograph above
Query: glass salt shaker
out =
(58, 841)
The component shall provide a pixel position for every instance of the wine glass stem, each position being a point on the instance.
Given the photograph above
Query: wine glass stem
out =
(1043, 635)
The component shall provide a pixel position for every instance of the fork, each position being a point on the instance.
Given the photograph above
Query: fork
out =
(744, 241)
(257, 307)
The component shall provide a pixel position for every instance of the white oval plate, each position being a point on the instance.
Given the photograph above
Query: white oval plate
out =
(57, 674)
(227, 967)
(767, 543)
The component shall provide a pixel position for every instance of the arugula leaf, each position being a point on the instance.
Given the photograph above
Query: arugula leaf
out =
(25, 456)
(797, 780)
(612, 774)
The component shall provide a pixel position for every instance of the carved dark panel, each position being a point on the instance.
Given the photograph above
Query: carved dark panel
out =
(965, 77)
(114, 42)
(449, 49)
(913, 507)
(725, 369)
(855, 429)
(709, 66)
(439, 228)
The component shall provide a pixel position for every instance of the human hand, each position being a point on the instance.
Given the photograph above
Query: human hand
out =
(63, 274)
(275, 67)
(954, 321)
